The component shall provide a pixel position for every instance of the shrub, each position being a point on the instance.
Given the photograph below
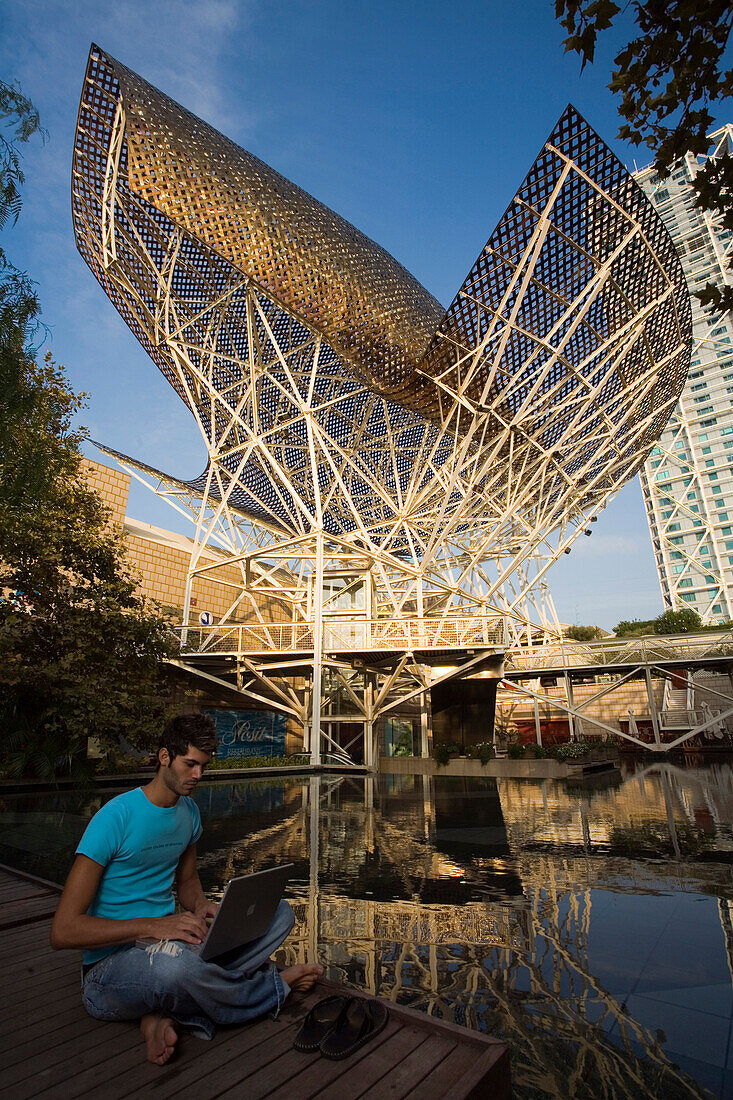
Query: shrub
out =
(515, 752)
(572, 750)
(484, 751)
(441, 755)
(216, 764)
(540, 752)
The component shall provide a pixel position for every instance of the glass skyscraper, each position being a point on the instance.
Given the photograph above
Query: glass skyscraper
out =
(687, 480)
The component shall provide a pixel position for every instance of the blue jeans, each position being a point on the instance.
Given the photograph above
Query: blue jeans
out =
(168, 977)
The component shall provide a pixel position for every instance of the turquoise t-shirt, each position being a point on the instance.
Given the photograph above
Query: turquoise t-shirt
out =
(139, 846)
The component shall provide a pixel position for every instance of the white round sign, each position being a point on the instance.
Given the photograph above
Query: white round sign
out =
(206, 618)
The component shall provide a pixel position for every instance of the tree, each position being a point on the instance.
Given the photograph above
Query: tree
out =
(19, 122)
(583, 633)
(682, 621)
(634, 628)
(80, 649)
(667, 77)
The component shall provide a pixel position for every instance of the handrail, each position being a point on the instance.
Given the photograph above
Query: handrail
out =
(346, 635)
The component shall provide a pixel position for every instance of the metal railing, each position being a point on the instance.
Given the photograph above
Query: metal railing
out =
(611, 652)
(345, 635)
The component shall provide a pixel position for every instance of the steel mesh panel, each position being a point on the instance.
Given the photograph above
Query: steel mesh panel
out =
(541, 388)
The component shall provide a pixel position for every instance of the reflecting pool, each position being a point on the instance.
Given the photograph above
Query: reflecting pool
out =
(588, 924)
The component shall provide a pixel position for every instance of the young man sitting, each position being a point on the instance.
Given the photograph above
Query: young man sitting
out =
(120, 889)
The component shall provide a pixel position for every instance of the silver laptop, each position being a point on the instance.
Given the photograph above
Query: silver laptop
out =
(245, 912)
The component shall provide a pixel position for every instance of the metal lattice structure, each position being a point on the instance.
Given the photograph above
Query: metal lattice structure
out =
(438, 462)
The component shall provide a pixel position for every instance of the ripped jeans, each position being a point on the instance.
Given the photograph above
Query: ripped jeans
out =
(244, 984)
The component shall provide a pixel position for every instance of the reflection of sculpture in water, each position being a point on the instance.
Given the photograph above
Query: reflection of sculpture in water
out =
(518, 968)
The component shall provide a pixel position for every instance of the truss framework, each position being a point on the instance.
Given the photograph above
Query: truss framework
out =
(292, 338)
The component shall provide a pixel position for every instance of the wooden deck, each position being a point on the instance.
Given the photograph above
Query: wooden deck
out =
(50, 1048)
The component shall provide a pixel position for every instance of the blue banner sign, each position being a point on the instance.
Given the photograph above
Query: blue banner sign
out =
(248, 733)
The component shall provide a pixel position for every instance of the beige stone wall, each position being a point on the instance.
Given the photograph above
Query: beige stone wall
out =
(163, 567)
(112, 485)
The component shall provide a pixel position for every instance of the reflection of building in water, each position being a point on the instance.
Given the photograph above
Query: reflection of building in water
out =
(395, 901)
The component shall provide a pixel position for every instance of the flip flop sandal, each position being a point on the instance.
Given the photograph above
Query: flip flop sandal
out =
(320, 1022)
(360, 1021)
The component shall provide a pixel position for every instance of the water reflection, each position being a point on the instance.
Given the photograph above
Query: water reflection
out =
(589, 925)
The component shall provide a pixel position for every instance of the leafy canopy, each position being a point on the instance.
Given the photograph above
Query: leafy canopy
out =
(682, 621)
(19, 122)
(667, 77)
(80, 648)
(583, 633)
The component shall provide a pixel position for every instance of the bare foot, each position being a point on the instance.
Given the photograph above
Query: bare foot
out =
(159, 1033)
(302, 977)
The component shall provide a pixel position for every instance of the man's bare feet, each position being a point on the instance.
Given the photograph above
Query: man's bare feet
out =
(302, 977)
(159, 1033)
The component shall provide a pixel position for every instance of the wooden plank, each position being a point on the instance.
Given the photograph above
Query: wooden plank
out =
(288, 1070)
(250, 1075)
(201, 1061)
(79, 1074)
(44, 993)
(40, 1014)
(17, 935)
(463, 1074)
(16, 913)
(13, 891)
(325, 1076)
(411, 1070)
(12, 874)
(72, 1029)
(75, 1020)
(407, 1040)
(50, 1055)
(24, 971)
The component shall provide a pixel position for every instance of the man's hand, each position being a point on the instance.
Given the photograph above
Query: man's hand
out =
(187, 927)
(206, 910)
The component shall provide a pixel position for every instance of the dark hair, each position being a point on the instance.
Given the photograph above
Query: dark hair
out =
(198, 730)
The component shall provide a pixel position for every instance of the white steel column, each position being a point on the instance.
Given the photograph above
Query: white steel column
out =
(652, 707)
(315, 726)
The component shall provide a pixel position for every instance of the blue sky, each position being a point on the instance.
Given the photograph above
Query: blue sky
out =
(414, 119)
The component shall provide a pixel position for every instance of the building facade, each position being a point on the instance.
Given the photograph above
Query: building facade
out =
(687, 480)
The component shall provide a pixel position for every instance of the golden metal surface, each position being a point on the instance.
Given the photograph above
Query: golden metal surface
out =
(332, 391)
(306, 257)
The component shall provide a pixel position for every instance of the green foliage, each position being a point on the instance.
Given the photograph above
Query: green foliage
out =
(257, 762)
(19, 121)
(442, 753)
(80, 650)
(634, 628)
(485, 751)
(404, 742)
(666, 78)
(539, 751)
(516, 751)
(47, 754)
(482, 751)
(583, 633)
(683, 621)
(572, 750)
